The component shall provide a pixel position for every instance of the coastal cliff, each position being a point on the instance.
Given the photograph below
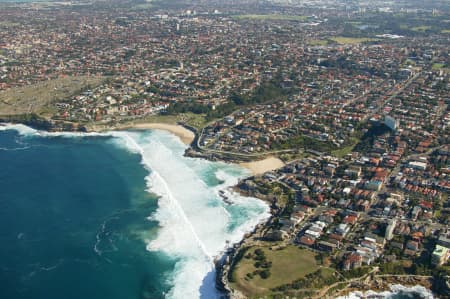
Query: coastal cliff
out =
(224, 267)
(40, 123)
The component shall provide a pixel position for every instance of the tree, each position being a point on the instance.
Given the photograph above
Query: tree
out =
(264, 274)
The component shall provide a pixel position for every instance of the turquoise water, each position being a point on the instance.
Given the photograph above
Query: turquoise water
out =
(118, 215)
(123, 215)
(58, 195)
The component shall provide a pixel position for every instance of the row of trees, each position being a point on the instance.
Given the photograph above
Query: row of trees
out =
(315, 280)
(261, 264)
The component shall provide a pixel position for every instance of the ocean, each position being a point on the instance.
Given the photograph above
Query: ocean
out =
(114, 215)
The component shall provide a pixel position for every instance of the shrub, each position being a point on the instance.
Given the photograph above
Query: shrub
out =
(264, 274)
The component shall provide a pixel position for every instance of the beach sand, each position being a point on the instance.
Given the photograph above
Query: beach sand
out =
(187, 136)
(262, 166)
(184, 134)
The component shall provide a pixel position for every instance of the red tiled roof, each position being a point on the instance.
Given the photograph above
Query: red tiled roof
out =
(307, 240)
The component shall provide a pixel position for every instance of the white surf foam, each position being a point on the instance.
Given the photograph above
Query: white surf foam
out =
(27, 131)
(194, 221)
(396, 289)
(195, 224)
(21, 129)
(14, 148)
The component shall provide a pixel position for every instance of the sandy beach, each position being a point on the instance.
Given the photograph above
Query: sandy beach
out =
(262, 166)
(187, 136)
(184, 134)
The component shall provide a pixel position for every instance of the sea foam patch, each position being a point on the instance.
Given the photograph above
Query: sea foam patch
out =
(195, 223)
(27, 131)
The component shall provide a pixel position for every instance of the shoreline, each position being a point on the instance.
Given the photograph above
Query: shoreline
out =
(186, 136)
(262, 166)
(380, 285)
(257, 168)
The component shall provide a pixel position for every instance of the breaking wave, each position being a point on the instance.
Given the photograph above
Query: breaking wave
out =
(194, 220)
(198, 219)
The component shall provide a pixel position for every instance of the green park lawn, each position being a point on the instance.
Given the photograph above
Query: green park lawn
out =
(288, 264)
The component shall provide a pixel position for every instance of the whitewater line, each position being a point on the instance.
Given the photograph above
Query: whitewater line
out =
(131, 144)
(170, 196)
(28, 131)
(14, 149)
